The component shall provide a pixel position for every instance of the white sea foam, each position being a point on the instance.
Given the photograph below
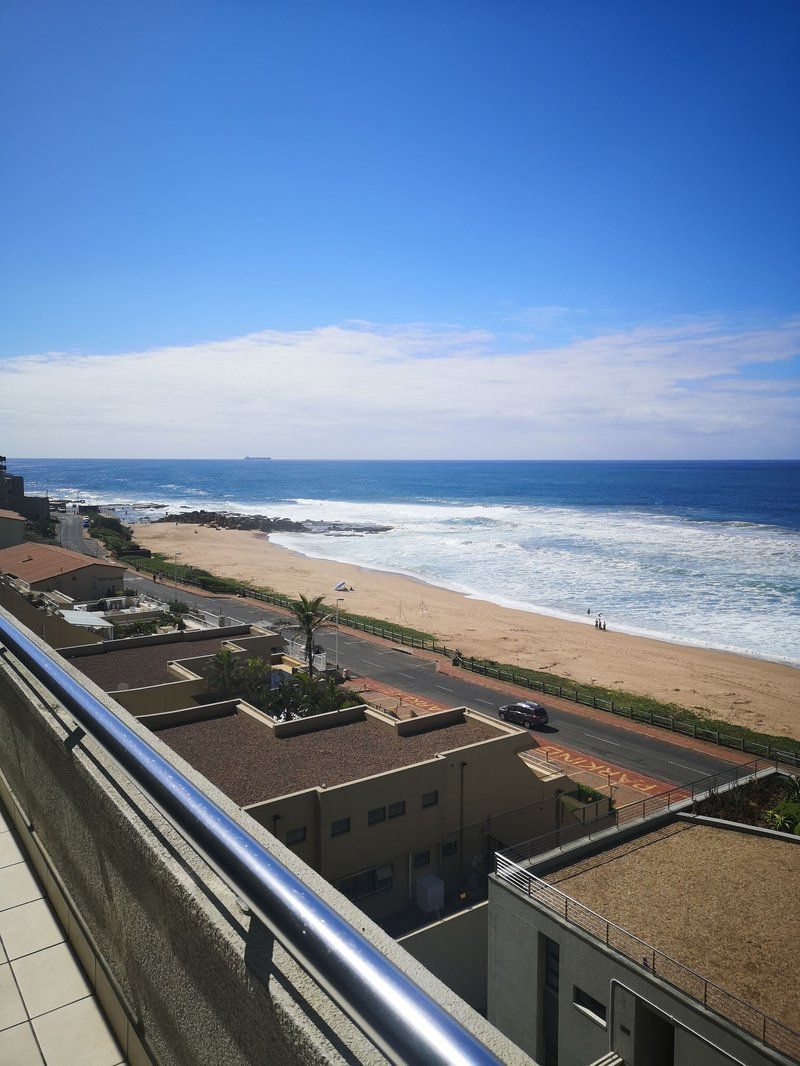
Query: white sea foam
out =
(728, 585)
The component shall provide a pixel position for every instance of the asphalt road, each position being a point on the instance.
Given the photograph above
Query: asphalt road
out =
(610, 741)
(70, 535)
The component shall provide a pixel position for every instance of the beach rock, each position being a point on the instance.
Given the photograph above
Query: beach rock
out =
(265, 524)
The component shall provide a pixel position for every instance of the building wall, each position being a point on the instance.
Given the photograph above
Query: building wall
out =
(89, 583)
(517, 926)
(12, 532)
(455, 950)
(495, 781)
(53, 629)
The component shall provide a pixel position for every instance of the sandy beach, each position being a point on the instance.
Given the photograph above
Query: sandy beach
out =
(762, 695)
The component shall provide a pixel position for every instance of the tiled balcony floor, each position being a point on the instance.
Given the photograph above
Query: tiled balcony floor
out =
(48, 1011)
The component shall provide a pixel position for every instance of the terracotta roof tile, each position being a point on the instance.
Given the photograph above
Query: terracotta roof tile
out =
(38, 562)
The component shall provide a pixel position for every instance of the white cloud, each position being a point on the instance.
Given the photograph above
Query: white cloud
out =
(360, 390)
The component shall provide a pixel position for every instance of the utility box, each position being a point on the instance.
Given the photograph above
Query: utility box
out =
(430, 894)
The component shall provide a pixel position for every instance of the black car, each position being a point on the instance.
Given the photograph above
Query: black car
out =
(526, 713)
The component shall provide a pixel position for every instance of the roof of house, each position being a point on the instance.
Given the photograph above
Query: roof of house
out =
(12, 515)
(141, 666)
(247, 761)
(38, 562)
(716, 900)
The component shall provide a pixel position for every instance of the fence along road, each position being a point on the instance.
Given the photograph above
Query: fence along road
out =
(626, 748)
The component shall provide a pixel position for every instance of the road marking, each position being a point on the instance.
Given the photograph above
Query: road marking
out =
(401, 674)
(683, 764)
(476, 700)
(444, 688)
(371, 663)
(603, 740)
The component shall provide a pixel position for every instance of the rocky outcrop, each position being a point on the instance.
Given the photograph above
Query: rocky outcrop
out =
(265, 524)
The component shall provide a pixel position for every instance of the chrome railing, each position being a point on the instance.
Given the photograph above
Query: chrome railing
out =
(621, 817)
(394, 1012)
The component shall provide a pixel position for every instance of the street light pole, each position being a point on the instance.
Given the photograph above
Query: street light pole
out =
(176, 575)
(338, 601)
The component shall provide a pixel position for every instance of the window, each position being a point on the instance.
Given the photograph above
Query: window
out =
(397, 809)
(450, 847)
(549, 1000)
(589, 1005)
(342, 825)
(430, 799)
(367, 883)
(377, 815)
(422, 858)
(296, 836)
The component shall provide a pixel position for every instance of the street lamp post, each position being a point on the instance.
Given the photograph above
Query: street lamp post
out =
(176, 575)
(338, 601)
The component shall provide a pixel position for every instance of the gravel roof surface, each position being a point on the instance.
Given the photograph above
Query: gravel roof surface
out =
(137, 667)
(718, 901)
(243, 757)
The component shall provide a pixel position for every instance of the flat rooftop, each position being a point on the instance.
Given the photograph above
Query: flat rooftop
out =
(138, 667)
(718, 901)
(242, 756)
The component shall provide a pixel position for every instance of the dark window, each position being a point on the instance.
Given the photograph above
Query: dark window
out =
(589, 1004)
(396, 809)
(422, 858)
(430, 799)
(450, 847)
(378, 815)
(550, 1001)
(342, 825)
(296, 836)
(367, 883)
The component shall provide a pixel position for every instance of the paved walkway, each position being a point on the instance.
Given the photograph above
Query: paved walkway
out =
(48, 1010)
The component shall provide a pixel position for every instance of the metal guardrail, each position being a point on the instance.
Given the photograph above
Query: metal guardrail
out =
(714, 998)
(622, 816)
(395, 1013)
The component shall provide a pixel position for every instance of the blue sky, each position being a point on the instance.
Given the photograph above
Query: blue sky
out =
(545, 174)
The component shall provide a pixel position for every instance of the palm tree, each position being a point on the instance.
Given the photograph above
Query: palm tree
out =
(256, 677)
(224, 674)
(311, 618)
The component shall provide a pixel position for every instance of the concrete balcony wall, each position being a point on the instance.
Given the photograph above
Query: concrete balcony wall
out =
(198, 980)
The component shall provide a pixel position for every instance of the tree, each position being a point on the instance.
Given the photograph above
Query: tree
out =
(224, 674)
(311, 618)
(256, 681)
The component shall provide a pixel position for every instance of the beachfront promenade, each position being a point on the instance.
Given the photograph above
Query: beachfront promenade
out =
(609, 741)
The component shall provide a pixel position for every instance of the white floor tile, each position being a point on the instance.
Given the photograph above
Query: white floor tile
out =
(29, 928)
(77, 1035)
(50, 979)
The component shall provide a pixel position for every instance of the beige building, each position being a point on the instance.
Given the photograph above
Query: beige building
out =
(12, 529)
(401, 816)
(44, 568)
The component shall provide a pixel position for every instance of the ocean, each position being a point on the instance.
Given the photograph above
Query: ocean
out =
(703, 553)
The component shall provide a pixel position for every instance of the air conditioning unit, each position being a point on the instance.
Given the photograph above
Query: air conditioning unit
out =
(430, 894)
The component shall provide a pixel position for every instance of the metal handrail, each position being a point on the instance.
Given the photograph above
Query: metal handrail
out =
(628, 812)
(394, 1012)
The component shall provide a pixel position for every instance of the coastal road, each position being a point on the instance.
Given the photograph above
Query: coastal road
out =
(70, 535)
(610, 741)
